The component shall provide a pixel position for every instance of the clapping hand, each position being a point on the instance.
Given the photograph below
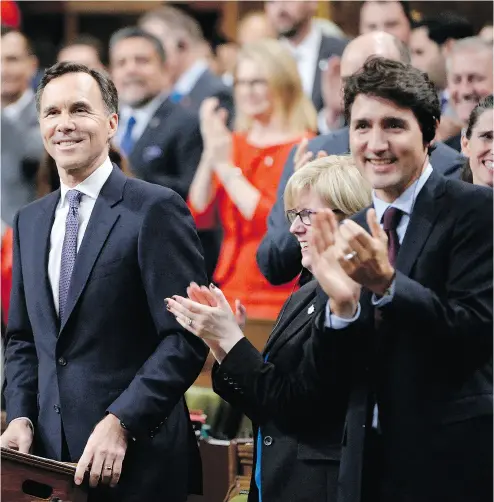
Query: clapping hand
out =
(326, 251)
(364, 256)
(216, 136)
(302, 156)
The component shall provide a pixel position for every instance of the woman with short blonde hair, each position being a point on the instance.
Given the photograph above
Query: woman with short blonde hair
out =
(281, 389)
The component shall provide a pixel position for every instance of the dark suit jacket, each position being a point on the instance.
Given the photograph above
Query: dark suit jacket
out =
(454, 142)
(289, 400)
(330, 46)
(209, 85)
(430, 361)
(278, 255)
(169, 150)
(118, 350)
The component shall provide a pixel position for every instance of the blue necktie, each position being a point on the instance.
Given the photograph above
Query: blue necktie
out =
(127, 142)
(69, 249)
(176, 97)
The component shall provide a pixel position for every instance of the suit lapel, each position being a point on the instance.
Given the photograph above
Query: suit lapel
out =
(103, 217)
(292, 321)
(41, 238)
(424, 214)
(137, 156)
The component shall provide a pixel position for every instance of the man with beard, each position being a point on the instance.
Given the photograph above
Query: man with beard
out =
(469, 79)
(293, 24)
(161, 139)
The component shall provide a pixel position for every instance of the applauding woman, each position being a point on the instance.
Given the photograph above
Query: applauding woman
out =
(238, 176)
(287, 389)
(476, 144)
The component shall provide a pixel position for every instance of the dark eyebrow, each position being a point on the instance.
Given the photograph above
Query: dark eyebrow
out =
(395, 120)
(49, 109)
(81, 104)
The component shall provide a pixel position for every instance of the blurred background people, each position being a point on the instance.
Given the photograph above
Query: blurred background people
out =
(390, 16)
(431, 42)
(18, 112)
(278, 254)
(84, 49)
(191, 81)
(281, 388)
(293, 23)
(253, 27)
(476, 144)
(160, 138)
(239, 173)
(469, 68)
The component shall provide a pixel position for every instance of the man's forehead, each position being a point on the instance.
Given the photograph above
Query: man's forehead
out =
(70, 88)
(368, 106)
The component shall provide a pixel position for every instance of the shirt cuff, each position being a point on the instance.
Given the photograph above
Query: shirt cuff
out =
(334, 322)
(322, 125)
(381, 301)
(24, 418)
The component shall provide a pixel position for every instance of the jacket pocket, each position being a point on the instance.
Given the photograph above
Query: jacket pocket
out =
(320, 451)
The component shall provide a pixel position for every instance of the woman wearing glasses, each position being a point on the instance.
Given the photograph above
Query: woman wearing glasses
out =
(239, 173)
(285, 390)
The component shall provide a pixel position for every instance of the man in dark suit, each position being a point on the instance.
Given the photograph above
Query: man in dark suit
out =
(184, 44)
(161, 139)
(311, 48)
(278, 255)
(417, 345)
(95, 368)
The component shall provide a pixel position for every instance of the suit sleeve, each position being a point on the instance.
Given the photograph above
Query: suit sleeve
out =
(279, 255)
(265, 392)
(170, 257)
(464, 311)
(21, 361)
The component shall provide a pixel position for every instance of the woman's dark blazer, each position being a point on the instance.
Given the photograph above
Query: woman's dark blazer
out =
(300, 415)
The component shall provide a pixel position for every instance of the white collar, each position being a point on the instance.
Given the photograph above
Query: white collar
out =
(309, 46)
(13, 110)
(189, 78)
(144, 113)
(92, 185)
(406, 200)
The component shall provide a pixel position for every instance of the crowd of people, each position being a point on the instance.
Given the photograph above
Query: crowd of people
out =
(341, 189)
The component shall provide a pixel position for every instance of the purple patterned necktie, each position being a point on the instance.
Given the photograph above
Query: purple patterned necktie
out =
(69, 249)
(391, 220)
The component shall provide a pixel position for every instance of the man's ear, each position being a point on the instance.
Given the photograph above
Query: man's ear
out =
(113, 125)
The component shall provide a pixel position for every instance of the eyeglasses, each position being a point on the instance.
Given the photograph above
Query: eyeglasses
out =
(304, 215)
(256, 84)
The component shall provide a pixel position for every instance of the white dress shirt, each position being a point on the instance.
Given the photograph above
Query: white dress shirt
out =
(307, 56)
(14, 110)
(189, 78)
(90, 189)
(142, 116)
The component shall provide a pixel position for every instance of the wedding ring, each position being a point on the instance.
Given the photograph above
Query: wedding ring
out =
(189, 321)
(350, 256)
(108, 467)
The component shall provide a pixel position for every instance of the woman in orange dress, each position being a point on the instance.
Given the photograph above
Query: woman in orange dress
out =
(238, 176)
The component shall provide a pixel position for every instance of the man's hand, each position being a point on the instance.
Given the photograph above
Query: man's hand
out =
(18, 436)
(104, 452)
(369, 266)
(342, 291)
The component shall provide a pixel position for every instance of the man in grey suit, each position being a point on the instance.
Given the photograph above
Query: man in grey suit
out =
(183, 41)
(278, 255)
(18, 112)
(294, 25)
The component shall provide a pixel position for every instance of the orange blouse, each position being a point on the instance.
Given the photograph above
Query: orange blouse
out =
(237, 273)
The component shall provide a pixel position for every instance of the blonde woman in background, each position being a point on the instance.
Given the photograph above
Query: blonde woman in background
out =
(239, 172)
(285, 389)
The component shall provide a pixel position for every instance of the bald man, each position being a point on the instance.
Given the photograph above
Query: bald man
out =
(253, 27)
(279, 255)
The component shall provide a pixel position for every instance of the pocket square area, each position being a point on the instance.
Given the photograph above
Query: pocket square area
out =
(151, 153)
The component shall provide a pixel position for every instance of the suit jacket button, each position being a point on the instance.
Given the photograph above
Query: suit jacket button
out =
(225, 377)
(56, 408)
(230, 381)
(268, 441)
(62, 361)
